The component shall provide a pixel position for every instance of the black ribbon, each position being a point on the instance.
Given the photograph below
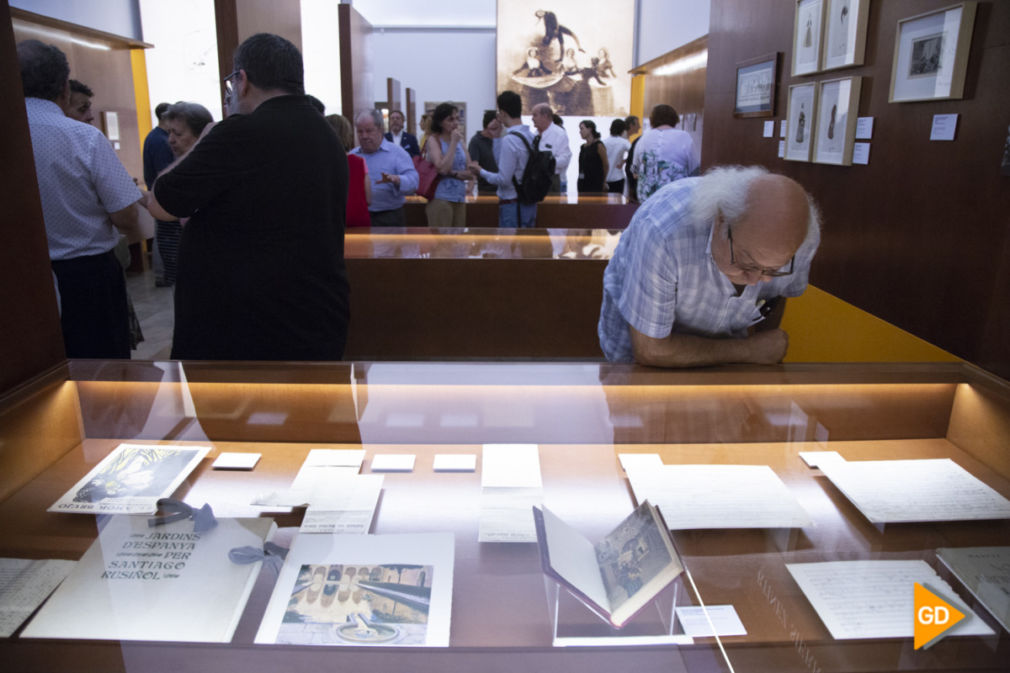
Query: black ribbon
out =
(177, 510)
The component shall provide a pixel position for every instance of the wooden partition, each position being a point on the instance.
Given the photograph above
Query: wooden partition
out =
(919, 236)
(684, 89)
(356, 76)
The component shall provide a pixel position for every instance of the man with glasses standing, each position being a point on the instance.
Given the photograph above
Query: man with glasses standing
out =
(701, 274)
(261, 261)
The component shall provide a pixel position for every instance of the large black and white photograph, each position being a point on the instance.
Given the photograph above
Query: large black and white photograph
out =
(931, 54)
(573, 55)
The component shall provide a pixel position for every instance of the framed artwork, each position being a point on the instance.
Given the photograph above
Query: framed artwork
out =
(571, 54)
(807, 28)
(844, 33)
(756, 86)
(800, 124)
(931, 54)
(837, 110)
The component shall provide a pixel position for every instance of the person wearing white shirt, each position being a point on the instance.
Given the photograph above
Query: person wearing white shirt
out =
(553, 138)
(617, 153)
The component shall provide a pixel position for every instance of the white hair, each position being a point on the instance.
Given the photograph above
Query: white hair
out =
(372, 114)
(724, 189)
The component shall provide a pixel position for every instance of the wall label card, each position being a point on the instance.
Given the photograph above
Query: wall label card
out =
(861, 153)
(944, 127)
(864, 128)
(769, 129)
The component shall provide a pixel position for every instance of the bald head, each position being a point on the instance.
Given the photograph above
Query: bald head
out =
(777, 212)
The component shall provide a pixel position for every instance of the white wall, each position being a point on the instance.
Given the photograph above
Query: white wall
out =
(119, 17)
(321, 51)
(183, 63)
(664, 25)
(439, 65)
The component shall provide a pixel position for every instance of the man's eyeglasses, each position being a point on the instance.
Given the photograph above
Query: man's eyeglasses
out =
(228, 86)
(752, 268)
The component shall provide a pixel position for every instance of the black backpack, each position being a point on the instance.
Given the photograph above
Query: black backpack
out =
(538, 174)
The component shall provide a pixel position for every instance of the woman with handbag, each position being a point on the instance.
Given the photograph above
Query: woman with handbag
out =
(447, 151)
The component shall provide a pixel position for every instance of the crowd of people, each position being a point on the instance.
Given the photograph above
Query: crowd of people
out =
(251, 213)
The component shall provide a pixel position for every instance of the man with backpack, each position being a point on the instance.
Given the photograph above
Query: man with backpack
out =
(520, 181)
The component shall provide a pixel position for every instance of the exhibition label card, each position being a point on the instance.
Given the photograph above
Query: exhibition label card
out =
(899, 491)
(24, 584)
(164, 583)
(944, 127)
(131, 479)
(695, 620)
(363, 590)
(864, 128)
(986, 573)
(347, 507)
(783, 125)
(782, 149)
(861, 153)
(335, 458)
(393, 462)
(232, 460)
(875, 599)
(769, 129)
(719, 496)
(455, 462)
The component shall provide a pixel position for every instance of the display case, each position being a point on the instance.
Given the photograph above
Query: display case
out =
(581, 416)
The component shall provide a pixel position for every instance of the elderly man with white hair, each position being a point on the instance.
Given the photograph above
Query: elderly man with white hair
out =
(701, 274)
(390, 169)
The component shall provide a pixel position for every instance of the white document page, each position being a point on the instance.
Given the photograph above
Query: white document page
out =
(24, 584)
(316, 478)
(875, 599)
(719, 496)
(511, 466)
(986, 573)
(892, 491)
(511, 487)
(631, 461)
(815, 458)
(573, 557)
(347, 508)
(695, 620)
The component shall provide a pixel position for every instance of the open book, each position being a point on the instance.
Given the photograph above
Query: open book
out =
(621, 573)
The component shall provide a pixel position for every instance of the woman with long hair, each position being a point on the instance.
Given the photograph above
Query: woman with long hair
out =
(359, 187)
(593, 163)
(445, 148)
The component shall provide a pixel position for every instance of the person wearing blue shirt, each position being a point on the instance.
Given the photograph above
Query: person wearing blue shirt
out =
(390, 169)
(701, 274)
(511, 163)
(398, 136)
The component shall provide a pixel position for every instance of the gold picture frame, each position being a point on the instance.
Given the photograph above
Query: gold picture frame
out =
(838, 109)
(808, 28)
(844, 33)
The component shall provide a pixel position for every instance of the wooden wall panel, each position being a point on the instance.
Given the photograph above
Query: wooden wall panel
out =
(920, 236)
(684, 91)
(109, 73)
(356, 90)
(30, 340)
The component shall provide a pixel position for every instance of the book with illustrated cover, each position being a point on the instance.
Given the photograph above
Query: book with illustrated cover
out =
(163, 583)
(620, 574)
(362, 590)
(131, 479)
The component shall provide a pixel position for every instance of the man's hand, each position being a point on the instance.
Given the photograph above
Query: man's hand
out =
(390, 178)
(769, 347)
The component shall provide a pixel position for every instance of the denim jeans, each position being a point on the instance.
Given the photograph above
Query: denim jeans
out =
(508, 215)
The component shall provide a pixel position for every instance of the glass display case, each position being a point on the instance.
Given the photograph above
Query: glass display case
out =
(581, 416)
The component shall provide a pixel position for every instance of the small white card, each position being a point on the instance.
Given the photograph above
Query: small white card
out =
(944, 127)
(782, 128)
(636, 461)
(454, 462)
(769, 131)
(724, 619)
(393, 462)
(817, 458)
(861, 153)
(335, 457)
(782, 149)
(864, 128)
(230, 460)
(511, 466)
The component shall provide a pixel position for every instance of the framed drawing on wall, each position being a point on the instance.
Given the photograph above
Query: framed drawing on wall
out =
(836, 120)
(755, 87)
(800, 124)
(931, 54)
(844, 33)
(807, 27)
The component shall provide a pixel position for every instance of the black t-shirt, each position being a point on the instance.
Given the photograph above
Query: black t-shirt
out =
(261, 261)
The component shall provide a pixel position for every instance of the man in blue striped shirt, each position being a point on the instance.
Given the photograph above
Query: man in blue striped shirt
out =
(701, 274)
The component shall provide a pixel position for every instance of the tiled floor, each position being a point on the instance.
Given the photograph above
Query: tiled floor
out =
(154, 310)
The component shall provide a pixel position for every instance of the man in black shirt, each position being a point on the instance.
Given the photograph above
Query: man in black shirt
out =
(261, 262)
